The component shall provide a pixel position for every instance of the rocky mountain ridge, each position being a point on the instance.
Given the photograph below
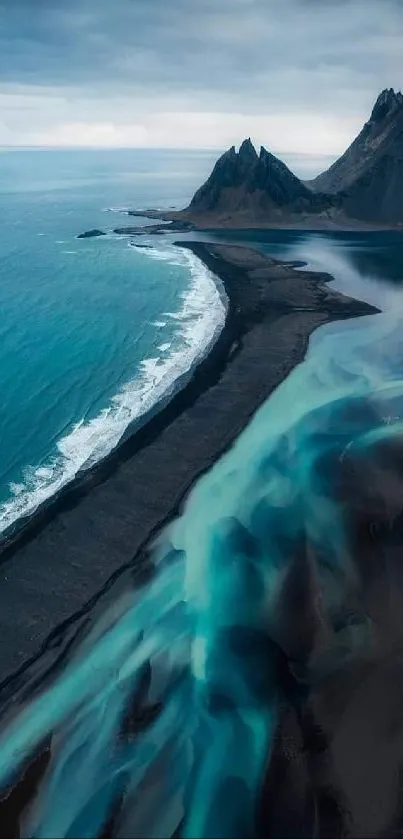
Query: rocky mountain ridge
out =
(257, 185)
(368, 177)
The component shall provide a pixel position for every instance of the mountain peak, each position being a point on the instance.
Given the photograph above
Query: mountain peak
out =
(387, 102)
(368, 177)
(247, 150)
(257, 185)
(266, 155)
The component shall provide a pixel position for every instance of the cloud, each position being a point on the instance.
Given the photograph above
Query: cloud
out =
(294, 73)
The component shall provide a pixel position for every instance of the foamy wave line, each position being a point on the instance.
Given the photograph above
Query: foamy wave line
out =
(201, 318)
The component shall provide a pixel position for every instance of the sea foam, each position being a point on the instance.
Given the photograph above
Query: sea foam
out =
(200, 320)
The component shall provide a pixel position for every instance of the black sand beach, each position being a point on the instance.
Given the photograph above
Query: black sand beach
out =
(76, 553)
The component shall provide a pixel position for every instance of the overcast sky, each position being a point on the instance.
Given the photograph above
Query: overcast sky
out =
(296, 75)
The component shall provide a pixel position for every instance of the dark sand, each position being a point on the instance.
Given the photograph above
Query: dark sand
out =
(77, 552)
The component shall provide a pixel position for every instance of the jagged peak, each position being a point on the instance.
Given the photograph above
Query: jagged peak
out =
(266, 154)
(247, 149)
(386, 102)
(229, 153)
(226, 155)
(258, 183)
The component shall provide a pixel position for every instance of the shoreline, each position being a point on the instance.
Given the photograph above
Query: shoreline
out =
(209, 222)
(62, 565)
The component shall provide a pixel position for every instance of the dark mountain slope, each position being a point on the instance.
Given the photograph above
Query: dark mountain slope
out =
(368, 178)
(257, 185)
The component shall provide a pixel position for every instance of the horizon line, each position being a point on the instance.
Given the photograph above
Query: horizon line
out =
(20, 147)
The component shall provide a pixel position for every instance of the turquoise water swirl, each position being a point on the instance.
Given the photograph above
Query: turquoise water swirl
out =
(202, 636)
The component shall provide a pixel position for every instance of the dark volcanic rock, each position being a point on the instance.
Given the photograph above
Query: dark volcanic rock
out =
(155, 229)
(174, 224)
(257, 184)
(149, 230)
(284, 188)
(386, 103)
(130, 231)
(90, 233)
(146, 213)
(296, 263)
(181, 226)
(368, 178)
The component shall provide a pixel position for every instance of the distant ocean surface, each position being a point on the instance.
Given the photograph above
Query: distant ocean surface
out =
(92, 332)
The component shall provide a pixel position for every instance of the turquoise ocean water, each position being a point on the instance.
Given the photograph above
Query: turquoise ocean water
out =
(92, 332)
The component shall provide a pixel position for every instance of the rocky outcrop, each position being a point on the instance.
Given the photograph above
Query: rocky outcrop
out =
(368, 178)
(176, 226)
(256, 185)
(147, 230)
(90, 233)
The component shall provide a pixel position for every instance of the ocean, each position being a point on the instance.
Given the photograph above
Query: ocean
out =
(93, 333)
(194, 645)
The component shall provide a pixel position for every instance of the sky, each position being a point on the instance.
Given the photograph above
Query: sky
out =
(296, 75)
